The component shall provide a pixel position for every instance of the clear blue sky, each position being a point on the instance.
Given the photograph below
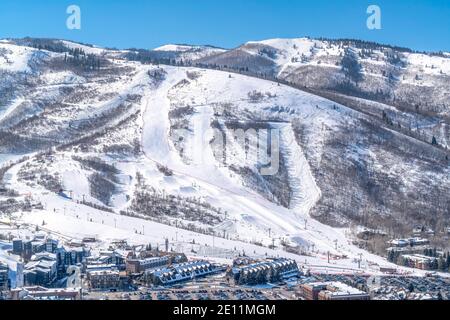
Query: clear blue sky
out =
(418, 24)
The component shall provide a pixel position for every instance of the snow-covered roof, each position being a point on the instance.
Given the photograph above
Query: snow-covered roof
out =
(337, 288)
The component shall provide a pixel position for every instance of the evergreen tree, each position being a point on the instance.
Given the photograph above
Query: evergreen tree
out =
(442, 264)
(447, 262)
(434, 141)
(351, 66)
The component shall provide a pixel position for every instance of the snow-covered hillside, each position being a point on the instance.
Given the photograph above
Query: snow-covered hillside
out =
(397, 76)
(188, 52)
(139, 151)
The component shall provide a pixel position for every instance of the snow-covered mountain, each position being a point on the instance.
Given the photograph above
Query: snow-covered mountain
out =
(96, 135)
(398, 76)
(189, 52)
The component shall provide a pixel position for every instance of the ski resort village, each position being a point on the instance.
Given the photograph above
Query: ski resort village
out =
(286, 169)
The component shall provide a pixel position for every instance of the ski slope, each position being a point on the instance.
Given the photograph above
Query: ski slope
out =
(14, 58)
(306, 193)
(8, 110)
(255, 214)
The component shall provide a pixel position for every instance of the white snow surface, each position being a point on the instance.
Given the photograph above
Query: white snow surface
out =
(14, 58)
(85, 48)
(174, 47)
(189, 52)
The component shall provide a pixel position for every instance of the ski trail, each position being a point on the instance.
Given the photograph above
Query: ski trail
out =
(305, 192)
(156, 131)
(9, 110)
(158, 148)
